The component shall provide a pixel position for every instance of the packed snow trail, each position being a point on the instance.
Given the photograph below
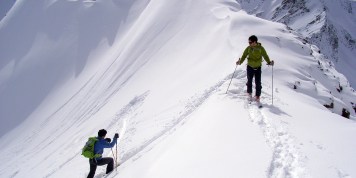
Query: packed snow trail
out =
(286, 160)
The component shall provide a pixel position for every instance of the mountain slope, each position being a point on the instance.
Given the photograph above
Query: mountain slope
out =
(5, 6)
(157, 73)
(327, 24)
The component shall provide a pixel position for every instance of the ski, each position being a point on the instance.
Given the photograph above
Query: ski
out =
(250, 101)
(258, 104)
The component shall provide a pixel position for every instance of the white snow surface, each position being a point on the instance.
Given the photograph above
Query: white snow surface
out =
(158, 73)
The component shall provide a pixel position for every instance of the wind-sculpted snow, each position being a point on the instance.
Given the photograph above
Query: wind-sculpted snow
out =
(5, 6)
(157, 72)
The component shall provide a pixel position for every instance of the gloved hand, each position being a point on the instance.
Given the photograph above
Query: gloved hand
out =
(271, 63)
(108, 140)
(116, 136)
(238, 62)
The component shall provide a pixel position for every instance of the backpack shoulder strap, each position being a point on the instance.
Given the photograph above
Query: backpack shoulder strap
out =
(93, 139)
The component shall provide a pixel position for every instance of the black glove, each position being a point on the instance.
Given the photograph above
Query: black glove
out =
(108, 140)
(116, 135)
(238, 62)
(271, 63)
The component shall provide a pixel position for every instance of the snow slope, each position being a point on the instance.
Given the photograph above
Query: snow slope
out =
(5, 6)
(328, 24)
(157, 72)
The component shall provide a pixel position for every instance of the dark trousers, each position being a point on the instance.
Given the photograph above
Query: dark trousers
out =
(100, 162)
(254, 72)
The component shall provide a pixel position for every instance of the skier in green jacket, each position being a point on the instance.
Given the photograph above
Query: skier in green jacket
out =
(254, 53)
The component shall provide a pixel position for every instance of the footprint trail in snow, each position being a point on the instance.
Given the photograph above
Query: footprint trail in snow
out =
(286, 160)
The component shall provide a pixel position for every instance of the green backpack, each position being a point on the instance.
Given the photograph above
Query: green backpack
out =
(88, 149)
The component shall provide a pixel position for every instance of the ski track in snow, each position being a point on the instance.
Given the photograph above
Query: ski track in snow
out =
(190, 107)
(286, 160)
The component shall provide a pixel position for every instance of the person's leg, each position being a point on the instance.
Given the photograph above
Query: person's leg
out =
(109, 162)
(92, 169)
(258, 83)
(250, 74)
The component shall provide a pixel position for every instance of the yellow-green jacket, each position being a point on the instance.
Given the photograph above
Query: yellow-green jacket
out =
(255, 55)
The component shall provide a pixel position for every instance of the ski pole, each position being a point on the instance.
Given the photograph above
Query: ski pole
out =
(231, 79)
(272, 84)
(117, 164)
(114, 157)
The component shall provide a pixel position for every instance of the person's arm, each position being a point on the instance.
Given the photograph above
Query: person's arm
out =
(265, 56)
(113, 143)
(109, 144)
(244, 55)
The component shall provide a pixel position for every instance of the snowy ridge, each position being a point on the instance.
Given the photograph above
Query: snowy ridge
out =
(157, 72)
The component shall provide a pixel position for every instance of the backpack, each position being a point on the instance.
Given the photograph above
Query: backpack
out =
(88, 149)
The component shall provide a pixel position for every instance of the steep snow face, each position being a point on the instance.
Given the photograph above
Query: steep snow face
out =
(5, 6)
(157, 72)
(43, 48)
(328, 24)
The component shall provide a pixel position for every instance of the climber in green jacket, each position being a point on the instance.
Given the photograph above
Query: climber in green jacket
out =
(254, 53)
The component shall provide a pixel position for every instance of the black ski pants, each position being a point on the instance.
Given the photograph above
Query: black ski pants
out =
(94, 163)
(254, 72)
